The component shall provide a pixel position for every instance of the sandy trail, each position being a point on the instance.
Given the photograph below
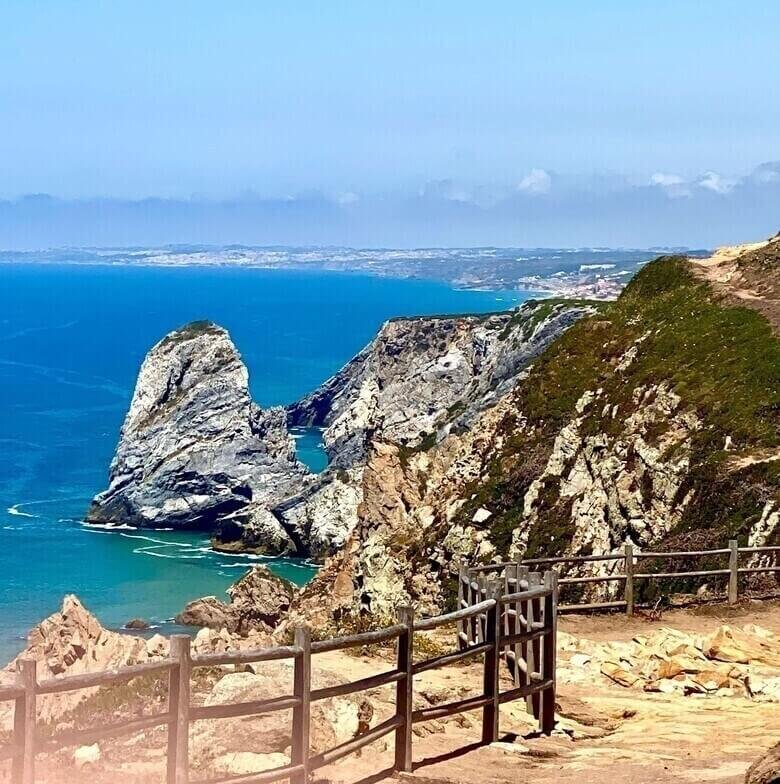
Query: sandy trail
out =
(608, 733)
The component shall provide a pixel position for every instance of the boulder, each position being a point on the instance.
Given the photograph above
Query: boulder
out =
(333, 721)
(766, 769)
(259, 599)
(208, 611)
(257, 602)
(137, 624)
(253, 530)
(86, 755)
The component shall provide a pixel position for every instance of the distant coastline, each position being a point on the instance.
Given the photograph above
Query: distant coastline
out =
(596, 272)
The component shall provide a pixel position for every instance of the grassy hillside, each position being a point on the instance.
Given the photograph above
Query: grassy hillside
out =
(724, 363)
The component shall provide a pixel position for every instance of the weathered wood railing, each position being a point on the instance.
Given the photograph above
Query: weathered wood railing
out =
(474, 581)
(527, 636)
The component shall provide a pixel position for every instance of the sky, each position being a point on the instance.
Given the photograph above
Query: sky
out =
(371, 108)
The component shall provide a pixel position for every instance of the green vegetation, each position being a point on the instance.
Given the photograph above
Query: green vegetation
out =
(189, 331)
(723, 362)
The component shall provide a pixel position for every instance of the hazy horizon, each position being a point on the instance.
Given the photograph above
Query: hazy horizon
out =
(389, 125)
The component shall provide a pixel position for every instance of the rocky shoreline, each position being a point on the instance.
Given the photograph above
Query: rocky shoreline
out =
(563, 427)
(196, 453)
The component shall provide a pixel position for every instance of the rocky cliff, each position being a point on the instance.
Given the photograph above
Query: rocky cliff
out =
(416, 381)
(194, 449)
(655, 421)
(196, 452)
(420, 375)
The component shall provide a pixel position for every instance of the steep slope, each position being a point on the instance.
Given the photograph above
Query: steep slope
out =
(417, 380)
(655, 422)
(420, 374)
(194, 449)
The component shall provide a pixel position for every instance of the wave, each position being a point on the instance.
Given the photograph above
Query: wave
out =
(101, 526)
(16, 510)
(151, 551)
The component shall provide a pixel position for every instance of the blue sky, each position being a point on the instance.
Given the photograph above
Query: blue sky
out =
(369, 100)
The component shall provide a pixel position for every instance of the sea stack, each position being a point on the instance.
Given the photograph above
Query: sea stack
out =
(194, 449)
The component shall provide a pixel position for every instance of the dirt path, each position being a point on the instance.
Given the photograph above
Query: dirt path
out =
(634, 737)
(607, 734)
(747, 275)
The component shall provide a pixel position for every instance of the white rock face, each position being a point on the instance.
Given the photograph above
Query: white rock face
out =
(194, 448)
(86, 755)
(620, 489)
(421, 374)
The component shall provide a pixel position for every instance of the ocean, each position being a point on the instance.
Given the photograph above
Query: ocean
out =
(72, 338)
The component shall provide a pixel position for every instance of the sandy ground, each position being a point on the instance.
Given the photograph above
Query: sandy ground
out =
(606, 733)
(653, 737)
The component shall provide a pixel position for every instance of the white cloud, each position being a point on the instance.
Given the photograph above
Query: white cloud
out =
(536, 181)
(666, 180)
(715, 182)
(448, 190)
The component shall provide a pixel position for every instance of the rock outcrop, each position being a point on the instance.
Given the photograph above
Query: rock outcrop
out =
(654, 422)
(419, 379)
(333, 721)
(766, 769)
(730, 662)
(73, 642)
(194, 448)
(257, 602)
(419, 375)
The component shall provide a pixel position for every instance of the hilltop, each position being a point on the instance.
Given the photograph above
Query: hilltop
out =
(654, 421)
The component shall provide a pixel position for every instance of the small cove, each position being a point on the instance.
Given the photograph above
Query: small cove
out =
(71, 341)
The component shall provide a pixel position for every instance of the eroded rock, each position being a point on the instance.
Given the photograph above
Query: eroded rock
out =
(194, 449)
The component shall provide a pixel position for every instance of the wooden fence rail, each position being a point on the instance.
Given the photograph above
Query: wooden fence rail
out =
(473, 581)
(531, 636)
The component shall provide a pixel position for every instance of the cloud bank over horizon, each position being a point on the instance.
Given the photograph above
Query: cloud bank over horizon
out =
(543, 208)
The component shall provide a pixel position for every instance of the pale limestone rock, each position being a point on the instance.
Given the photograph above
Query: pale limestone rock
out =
(86, 755)
(194, 449)
(333, 721)
(482, 515)
(418, 373)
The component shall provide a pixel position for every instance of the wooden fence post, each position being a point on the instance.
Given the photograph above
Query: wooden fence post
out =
(491, 667)
(300, 746)
(733, 571)
(628, 594)
(535, 646)
(404, 691)
(462, 594)
(550, 651)
(179, 709)
(25, 714)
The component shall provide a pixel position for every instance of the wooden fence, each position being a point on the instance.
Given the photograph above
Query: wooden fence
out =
(533, 632)
(475, 580)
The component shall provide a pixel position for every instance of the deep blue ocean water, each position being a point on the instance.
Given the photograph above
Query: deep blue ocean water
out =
(72, 339)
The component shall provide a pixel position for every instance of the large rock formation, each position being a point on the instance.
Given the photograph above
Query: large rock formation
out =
(194, 448)
(257, 602)
(72, 642)
(654, 422)
(421, 374)
(419, 379)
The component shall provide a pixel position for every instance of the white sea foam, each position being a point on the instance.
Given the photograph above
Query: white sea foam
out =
(104, 526)
(178, 557)
(585, 267)
(17, 512)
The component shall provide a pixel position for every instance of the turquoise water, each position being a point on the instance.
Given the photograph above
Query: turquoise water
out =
(71, 341)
